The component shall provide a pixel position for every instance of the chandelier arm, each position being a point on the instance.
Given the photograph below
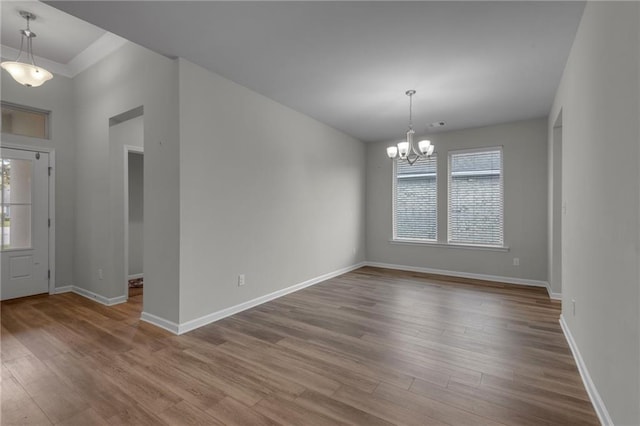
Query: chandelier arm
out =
(415, 151)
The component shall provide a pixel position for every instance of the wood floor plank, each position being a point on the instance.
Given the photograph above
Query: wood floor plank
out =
(234, 413)
(18, 408)
(184, 414)
(371, 347)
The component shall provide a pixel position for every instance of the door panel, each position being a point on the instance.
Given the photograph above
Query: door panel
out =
(24, 241)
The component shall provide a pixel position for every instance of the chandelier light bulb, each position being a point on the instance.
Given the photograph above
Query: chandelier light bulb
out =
(424, 145)
(403, 149)
(392, 151)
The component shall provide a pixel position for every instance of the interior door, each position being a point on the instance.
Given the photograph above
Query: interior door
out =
(24, 223)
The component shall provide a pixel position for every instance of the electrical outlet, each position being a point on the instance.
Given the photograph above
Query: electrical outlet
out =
(100, 276)
(573, 305)
(516, 261)
(241, 280)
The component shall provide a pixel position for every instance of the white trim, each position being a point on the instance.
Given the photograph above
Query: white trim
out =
(63, 289)
(594, 396)
(138, 150)
(215, 316)
(430, 243)
(32, 148)
(160, 322)
(52, 218)
(99, 298)
(494, 278)
(95, 52)
(552, 295)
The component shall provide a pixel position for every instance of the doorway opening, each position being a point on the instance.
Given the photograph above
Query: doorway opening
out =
(135, 213)
(126, 138)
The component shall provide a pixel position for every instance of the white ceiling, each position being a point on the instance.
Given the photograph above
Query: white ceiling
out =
(348, 64)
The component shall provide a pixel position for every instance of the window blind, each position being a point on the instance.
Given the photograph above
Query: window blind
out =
(476, 197)
(416, 200)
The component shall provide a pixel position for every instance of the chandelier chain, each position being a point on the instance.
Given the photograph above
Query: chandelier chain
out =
(21, 47)
(411, 111)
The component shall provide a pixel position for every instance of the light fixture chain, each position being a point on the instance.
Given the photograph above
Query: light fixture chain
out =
(411, 111)
(33, 61)
(21, 47)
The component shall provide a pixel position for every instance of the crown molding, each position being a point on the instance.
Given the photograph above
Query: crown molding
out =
(95, 52)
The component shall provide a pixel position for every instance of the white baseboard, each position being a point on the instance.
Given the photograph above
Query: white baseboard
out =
(215, 316)
(93, 296)
(134, 276)
(494, 278)
(594, 396)
(63, 289)
(160, 322)
(552, 295)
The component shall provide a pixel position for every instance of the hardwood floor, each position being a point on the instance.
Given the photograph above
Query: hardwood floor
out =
(371, 347)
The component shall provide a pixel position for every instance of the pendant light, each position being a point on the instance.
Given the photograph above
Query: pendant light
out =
(406, 150)
(27, 74)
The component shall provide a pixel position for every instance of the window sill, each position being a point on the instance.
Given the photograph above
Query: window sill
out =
(448, 245)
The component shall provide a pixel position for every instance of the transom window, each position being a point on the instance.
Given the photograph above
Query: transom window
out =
(25, 121)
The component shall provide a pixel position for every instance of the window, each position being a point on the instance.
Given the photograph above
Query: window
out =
(476, 197)
(25, 121)
(415, 200)
(15, 200)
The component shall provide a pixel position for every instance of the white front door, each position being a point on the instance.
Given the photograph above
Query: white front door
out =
(25, 228)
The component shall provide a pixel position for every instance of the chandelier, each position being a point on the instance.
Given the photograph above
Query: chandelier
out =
(27, 74)
(406, 150)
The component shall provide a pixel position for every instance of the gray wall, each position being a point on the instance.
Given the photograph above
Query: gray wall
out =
(54, 96)
(525, 188)
(264, 191)
(136, 213)
(130, 77)
(598, 97)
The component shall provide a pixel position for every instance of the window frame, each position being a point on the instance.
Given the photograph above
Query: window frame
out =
(450, 154)
(394, 193)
